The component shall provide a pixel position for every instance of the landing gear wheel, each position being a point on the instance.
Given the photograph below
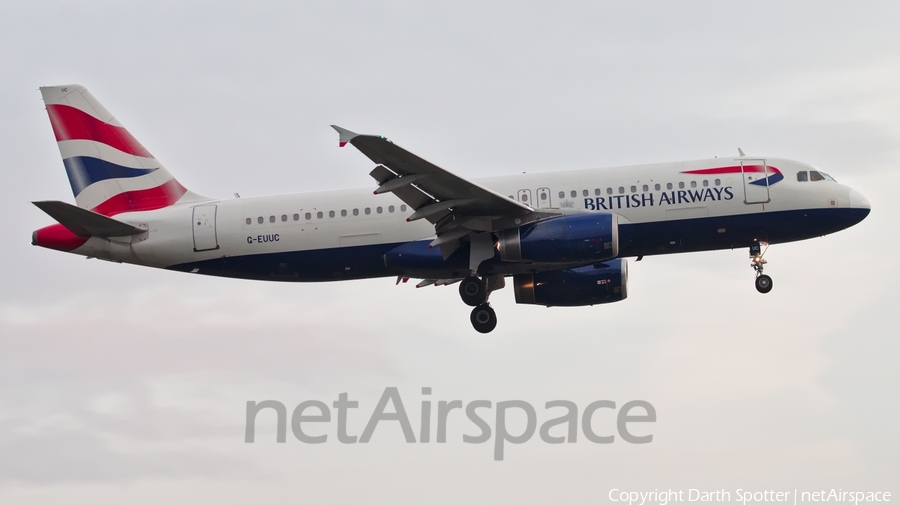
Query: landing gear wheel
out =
(473, 291)
(484, 319)
(763, 283)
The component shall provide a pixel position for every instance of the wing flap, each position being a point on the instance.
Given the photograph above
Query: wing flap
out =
(382, 174)
(413, 196)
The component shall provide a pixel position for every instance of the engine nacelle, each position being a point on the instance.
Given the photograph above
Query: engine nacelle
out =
(582, 286)
(587, 237)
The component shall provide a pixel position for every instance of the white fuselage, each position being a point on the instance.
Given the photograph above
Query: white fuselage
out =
(647, 194)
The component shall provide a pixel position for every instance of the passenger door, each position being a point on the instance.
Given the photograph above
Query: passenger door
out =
(205, 228)
(755, 174)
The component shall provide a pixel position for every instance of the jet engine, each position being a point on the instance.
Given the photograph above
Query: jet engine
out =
(564, 239)
(582, 286)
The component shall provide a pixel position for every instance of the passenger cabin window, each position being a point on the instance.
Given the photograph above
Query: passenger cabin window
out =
(802, 176)
(668, 186)
(403, 207)
(705, 183)
(657, 187)
(308, 216)
(249, 221)
(319, 215)
(609, 191)
(621, 189)
(296, 217)
(584, 193)
(368, 210)
(356, 212)
(693, 184)
(343, 213)
(283, 217)
(718, 182)
(260, 220)
(574, 194)
(271, 219)
(681, 185)
(390, 209)
(633, 189)
(562, 195)
(646, 188)
(379, 210)
(597, 191)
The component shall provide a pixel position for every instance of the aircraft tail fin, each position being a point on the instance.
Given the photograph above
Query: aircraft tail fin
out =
(109, 170)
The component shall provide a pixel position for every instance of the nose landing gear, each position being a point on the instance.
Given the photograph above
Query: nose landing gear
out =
(763, 281)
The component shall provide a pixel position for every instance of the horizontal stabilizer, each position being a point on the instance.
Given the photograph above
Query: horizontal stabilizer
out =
(84, 222)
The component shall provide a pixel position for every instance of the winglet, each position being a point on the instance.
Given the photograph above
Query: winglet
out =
(345, 135)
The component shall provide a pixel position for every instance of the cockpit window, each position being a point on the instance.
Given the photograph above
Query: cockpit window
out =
(802, 176)
(827, 177)
(814, 175)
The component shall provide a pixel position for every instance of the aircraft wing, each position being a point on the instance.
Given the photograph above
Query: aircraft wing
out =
(454, 205)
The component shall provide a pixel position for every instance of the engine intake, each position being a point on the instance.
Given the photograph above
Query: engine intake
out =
(582, 286)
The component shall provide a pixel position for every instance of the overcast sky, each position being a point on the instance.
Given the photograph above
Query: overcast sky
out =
(122, 384)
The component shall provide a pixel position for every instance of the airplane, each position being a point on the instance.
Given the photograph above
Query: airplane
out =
(563, 237)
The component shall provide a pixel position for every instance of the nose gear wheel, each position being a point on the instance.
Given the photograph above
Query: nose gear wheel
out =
(763, 281)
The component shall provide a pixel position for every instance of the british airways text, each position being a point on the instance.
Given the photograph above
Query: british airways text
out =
(668, 198)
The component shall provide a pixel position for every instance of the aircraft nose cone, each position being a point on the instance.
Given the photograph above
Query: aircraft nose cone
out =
(857, 201)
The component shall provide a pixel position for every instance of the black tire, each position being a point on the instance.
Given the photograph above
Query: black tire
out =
(472, 291)
(483, 318)
(763, 283)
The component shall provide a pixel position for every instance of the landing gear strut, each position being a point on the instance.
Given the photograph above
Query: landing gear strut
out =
(763, 281)
(475, 291)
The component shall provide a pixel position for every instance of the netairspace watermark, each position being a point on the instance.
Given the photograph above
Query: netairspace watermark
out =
(311, 412)
(744, 497)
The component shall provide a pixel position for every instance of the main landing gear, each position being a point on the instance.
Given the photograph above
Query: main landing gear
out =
(474, 291)
(763, 281)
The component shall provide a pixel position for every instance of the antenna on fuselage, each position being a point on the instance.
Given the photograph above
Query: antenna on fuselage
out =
(741, 152)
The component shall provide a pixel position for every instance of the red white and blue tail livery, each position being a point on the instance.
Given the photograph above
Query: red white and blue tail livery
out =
(562, 237)
(109, 170)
